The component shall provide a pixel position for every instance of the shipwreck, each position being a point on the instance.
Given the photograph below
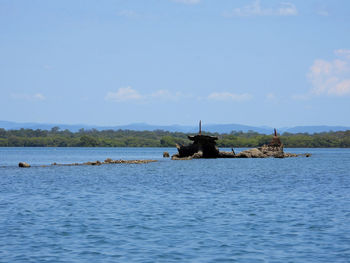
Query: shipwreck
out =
(204, 146)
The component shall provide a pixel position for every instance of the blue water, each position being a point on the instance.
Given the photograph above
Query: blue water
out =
(224, 210)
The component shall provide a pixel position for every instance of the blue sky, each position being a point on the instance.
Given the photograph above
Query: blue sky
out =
(110, 62)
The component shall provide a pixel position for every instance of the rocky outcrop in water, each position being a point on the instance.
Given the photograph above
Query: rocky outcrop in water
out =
(110, 161)
(94, 163)
(261, 152)
(204, 146)
(23, 165)
(265, 152)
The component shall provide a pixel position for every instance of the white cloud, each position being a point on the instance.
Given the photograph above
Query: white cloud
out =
(331, 77)
(28, 97)
(124, 94)
(255, 9)
(224, 96)
(188, 2)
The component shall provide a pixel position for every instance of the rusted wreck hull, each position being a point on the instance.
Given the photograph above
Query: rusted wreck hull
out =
(203, 146)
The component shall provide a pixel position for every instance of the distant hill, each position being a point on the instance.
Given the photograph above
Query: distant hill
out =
(219, 128)
(314, 129)
(227, 128)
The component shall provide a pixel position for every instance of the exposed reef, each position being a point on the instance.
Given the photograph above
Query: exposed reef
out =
(109, 161)
(94, 163)
(266, 152)
(260, 152)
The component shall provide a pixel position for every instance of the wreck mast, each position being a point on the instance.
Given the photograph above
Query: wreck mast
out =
(275, 142)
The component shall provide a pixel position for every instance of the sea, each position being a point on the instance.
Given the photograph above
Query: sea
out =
(205, 210)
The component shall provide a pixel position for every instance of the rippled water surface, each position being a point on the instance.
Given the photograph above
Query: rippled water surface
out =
(224, 210)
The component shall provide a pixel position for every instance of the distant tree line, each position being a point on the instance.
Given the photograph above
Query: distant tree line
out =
(128, 138)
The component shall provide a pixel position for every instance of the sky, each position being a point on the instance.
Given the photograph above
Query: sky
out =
(113, 62)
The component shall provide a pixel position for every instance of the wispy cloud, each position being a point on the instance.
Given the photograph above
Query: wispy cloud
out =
(226, 96)
(28, 97)
(301, 96)
(168, 95)
(271, 97)
(331, 77)
(128, 14)
(256, 9)
(343, 53)
(47, 67)
(39, 96)
(322, 9)
(322, 12)
(129, 94)
(123, 94)
(188, 2)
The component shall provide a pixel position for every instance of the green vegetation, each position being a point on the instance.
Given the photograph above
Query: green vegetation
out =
(127, 138)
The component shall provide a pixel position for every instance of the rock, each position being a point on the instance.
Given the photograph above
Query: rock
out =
(177, 157)
(280, 155)
(197, 155)
(227, 154)
(307, 154)
(166, 155)
(91, 163)
(23, 165)
(271, 151)
(265, 152)
(108, 160)
(96, 163)
(252, 153)
(287, 155)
